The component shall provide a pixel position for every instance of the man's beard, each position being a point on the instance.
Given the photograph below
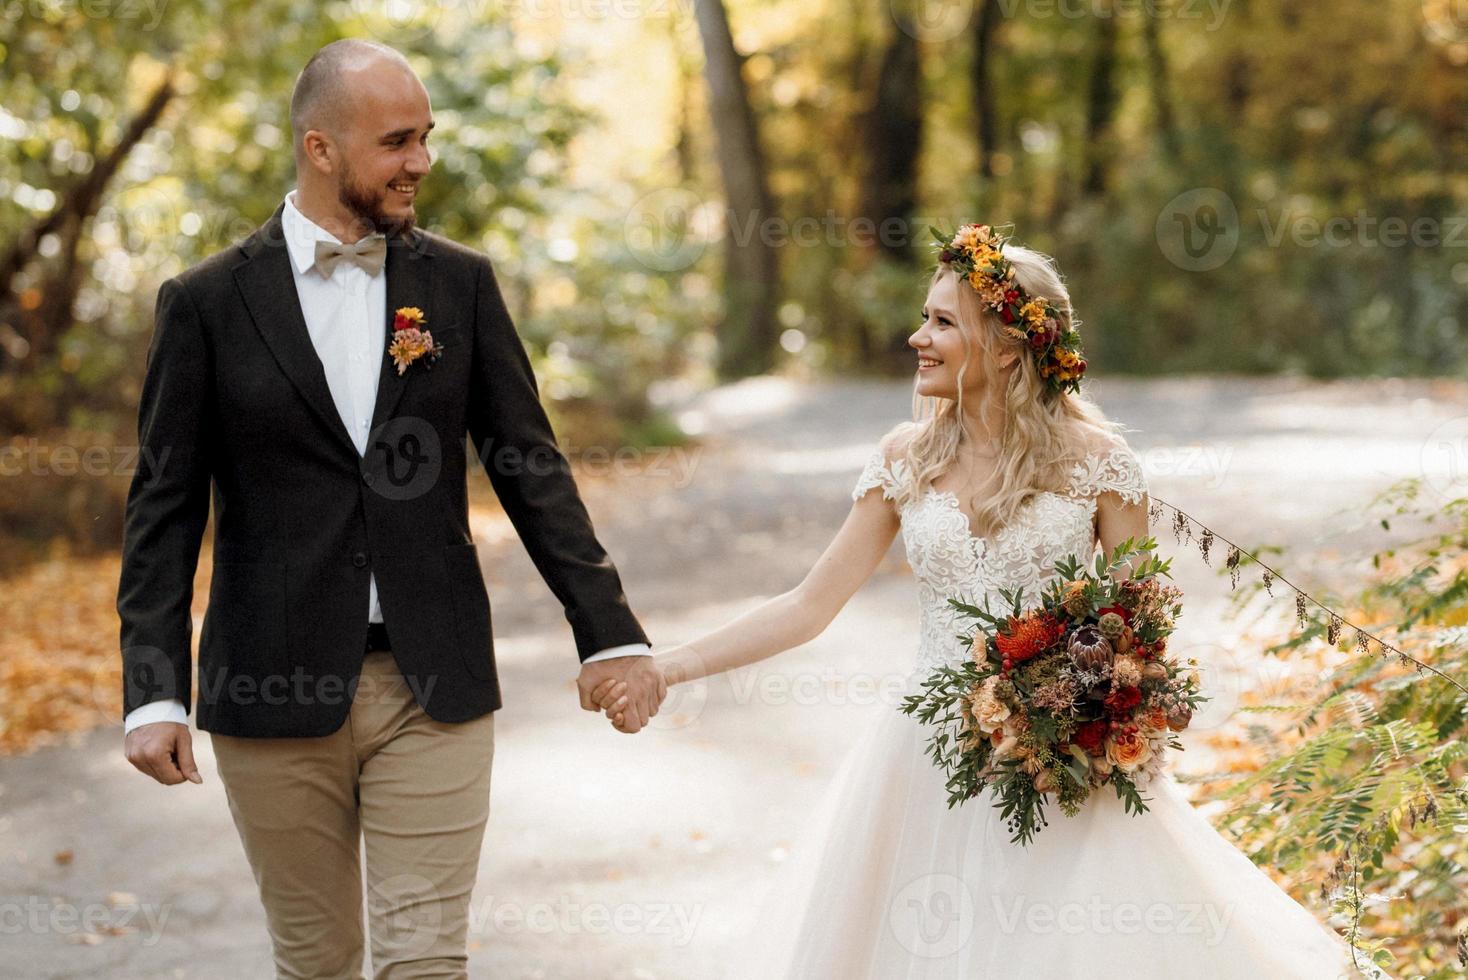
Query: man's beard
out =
(366, 206)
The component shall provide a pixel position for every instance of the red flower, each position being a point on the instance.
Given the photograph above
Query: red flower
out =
(1091, 736)
(1123, 699)
(1122, 611)
(1011, 295)
(408, 318)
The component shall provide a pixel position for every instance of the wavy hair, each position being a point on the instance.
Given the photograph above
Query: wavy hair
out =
(1045, 432)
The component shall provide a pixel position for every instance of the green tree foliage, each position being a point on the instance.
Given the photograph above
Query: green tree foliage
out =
(1365, 791)
(601, 325)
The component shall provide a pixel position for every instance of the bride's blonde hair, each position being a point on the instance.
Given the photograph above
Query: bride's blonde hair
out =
(1046, 432)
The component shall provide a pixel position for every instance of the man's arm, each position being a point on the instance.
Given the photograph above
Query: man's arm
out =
(167, 509)
(513, 438)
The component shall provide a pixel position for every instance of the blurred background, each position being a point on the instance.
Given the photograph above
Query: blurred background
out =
(711, 220)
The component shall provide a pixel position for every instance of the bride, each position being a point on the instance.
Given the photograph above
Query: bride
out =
(1009, 469)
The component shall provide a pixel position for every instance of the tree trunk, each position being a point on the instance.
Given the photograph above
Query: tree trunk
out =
(1236, 73)
(748, 335)
(894, 136)
(42, 320)
(1101, 104)
(683, 143)
(83, 199)
(1161, 82)
(982, 85)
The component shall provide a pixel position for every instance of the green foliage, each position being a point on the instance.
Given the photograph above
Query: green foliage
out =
(1370, 791)
(220, 161)
(1327, 167)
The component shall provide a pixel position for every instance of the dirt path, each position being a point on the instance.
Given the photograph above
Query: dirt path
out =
(646, 858)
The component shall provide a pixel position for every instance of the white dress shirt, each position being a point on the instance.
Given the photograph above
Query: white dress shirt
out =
(346, 315)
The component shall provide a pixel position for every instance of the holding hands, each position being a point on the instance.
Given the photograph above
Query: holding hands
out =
(618, 697)
(628, 689)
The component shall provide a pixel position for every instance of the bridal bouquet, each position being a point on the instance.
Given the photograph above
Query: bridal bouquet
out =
(1067, 697)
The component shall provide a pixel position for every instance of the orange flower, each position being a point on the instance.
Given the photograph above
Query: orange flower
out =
(1128, 752)
(1029, 636)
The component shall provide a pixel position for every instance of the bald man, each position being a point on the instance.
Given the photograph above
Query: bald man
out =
(321, 378)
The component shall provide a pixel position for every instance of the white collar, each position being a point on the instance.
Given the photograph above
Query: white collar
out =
(301, 235)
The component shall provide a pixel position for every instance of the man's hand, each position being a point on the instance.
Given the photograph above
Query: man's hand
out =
(640, 685)
(163, 750)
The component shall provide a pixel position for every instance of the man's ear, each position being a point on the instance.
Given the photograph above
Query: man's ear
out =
(319, 151)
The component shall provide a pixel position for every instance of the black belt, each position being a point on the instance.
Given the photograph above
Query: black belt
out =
(377, 637)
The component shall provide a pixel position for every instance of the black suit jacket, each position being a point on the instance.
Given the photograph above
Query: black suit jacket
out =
(235, 395)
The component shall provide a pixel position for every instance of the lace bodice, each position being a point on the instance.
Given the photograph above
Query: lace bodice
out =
(948, 561)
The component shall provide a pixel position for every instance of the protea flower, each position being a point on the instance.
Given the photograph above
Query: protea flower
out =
(1090, 649)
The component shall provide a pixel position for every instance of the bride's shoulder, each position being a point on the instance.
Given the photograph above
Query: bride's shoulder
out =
(886, 464)
(894, 444)
(1105, 463)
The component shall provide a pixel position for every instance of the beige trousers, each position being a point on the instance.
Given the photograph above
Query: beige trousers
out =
(416, 790)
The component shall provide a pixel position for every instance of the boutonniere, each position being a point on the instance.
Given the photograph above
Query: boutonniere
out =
(410, 340)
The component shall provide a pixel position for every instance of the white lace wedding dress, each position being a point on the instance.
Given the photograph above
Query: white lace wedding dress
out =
(888, 883)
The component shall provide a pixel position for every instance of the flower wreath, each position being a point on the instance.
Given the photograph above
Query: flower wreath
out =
(976, 252)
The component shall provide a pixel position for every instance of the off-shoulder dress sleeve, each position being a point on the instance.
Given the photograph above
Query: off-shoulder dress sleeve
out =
(879, 472)
(1112, 467)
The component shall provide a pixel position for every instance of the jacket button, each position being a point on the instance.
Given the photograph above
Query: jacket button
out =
(367, 478)
(360, 560)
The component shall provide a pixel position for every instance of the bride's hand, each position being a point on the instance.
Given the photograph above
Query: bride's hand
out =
(610, 696)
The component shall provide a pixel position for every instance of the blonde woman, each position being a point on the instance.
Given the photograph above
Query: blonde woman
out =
(1007, 468)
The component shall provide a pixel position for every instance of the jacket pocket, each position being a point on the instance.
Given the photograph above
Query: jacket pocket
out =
(245, 627)
(448, 336)
(471, 608)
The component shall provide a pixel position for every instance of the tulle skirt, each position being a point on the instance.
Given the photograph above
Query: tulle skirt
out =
(888, 883)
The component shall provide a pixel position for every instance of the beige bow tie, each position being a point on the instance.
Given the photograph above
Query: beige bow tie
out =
(368, 254)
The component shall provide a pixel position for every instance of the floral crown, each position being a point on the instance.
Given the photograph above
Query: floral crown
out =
(976, 252)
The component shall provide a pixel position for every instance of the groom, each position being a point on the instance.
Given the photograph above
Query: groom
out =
(346, 666)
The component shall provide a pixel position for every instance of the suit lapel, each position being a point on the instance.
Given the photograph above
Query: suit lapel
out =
(268, 287)
(409, 283)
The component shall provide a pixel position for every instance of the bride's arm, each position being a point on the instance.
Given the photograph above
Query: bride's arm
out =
(1117, 520)
(797, 616)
